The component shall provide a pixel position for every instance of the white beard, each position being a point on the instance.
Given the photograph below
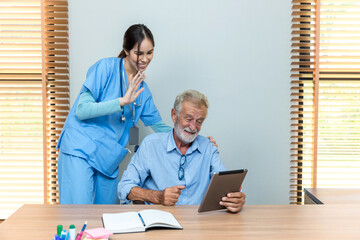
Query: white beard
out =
(183, 136)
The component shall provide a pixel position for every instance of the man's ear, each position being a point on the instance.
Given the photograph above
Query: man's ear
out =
(173, 115)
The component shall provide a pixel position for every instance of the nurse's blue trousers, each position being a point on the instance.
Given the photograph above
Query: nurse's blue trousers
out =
(80, 183)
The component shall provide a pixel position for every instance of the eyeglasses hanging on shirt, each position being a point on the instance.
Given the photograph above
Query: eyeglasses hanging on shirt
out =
(133, 131)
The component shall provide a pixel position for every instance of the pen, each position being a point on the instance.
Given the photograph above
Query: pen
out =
(82, 232)
(142, 220)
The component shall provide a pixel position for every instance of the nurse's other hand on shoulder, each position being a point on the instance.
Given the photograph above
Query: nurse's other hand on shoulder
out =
(132, 93)
(212, 140)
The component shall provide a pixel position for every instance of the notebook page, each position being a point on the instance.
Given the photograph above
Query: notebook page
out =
(122, 222)
(160, 218)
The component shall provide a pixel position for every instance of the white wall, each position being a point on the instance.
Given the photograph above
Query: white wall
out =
(237, 52)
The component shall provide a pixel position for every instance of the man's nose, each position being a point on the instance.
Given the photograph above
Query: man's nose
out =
(192, 126)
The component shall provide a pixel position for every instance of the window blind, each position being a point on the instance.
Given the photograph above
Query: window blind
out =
(21, 168)
(55, 87)
(325, 95)
(33, 100)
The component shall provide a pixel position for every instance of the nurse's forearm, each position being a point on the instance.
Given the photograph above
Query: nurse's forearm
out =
(145, 195)
(87, 107)
(161, 127)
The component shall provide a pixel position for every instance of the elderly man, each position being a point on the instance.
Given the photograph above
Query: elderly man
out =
(176, 167)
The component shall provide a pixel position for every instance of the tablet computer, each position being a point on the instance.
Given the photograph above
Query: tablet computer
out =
(221, 183)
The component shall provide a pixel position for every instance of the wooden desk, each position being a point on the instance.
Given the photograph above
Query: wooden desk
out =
(332, 195)
(39, 222)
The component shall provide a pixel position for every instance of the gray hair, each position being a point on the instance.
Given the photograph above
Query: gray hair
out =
(192, 96)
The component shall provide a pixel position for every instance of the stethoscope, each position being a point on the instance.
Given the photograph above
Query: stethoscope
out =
(122, 81)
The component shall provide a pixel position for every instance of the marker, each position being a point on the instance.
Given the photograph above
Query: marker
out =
(82, 232)
(63, 235)
(59, 230)
(72, 232)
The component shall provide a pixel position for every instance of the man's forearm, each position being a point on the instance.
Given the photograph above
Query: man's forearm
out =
(145, 195)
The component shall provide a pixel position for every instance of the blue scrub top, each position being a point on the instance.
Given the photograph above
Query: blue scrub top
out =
(102, 140)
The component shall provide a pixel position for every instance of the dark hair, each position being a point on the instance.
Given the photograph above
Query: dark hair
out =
(135, 34)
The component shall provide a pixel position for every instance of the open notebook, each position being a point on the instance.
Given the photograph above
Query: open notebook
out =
(139, 221)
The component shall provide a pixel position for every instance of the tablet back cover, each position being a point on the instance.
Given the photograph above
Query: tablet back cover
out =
(220, 184)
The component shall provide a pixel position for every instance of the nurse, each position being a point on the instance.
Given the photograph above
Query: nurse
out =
(111, 101)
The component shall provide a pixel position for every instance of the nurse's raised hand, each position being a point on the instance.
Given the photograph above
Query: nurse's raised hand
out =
(132, 93)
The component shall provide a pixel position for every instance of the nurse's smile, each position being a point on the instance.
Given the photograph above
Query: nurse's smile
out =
(142, 67)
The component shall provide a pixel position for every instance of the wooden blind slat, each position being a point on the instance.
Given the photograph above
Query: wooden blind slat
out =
(56, 91)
